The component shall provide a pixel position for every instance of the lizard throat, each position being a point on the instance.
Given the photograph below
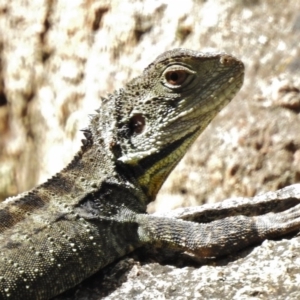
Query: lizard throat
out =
(152, 171)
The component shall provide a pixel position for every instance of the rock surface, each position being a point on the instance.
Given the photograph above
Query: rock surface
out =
(267, 271)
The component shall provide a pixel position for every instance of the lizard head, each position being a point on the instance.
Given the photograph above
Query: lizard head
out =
(160, 114)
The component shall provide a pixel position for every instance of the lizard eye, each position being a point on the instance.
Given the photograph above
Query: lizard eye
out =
(137, 124)
(176, 77)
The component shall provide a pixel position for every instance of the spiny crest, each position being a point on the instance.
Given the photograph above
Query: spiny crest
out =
(88, 138)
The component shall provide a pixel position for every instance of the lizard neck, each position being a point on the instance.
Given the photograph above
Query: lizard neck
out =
(91, 181)
(96, 175)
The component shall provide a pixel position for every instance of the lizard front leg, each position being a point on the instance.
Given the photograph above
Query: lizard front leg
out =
(218, 237)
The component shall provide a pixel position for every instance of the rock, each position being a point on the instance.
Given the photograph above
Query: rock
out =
(267, 271)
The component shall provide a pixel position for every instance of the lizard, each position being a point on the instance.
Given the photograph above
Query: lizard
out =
(94, 211)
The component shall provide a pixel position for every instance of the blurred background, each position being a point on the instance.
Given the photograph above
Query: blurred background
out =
(58, 57)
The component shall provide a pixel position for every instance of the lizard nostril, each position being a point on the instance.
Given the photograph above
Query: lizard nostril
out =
(137, 124)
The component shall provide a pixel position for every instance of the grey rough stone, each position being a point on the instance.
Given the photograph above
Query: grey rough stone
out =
(267, 271)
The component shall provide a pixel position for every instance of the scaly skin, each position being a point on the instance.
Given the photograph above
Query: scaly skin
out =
(93, 211)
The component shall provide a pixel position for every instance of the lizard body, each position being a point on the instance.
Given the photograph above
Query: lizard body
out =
(94, 210)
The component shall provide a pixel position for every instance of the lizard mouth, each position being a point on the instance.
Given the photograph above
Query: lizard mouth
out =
(194, 93)
(205, 106)
(183, 130)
